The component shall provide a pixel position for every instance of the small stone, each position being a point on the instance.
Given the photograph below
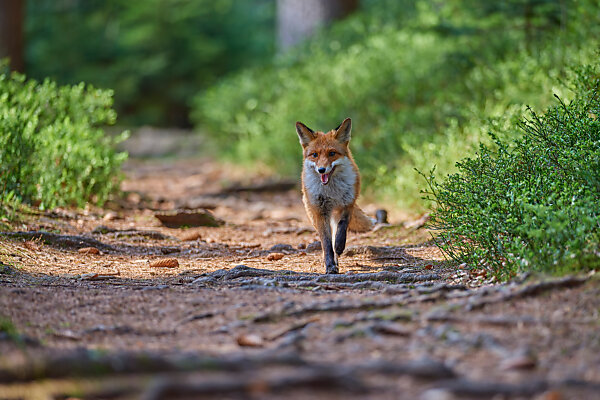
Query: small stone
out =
(281, 247)
(179, 218)
(314, 246)
(190, 236)
(437, 394)
(523, 360)
(250, 340)
(391, 328)
(275, 256)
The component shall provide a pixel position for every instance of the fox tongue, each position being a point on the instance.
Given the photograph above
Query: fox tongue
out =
(324, 178)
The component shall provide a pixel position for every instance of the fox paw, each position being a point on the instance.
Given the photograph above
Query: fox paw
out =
(332, 269)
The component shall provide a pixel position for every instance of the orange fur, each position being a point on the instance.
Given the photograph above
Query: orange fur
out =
(330, 187)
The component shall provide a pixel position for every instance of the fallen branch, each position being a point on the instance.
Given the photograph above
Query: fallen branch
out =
(65, 241)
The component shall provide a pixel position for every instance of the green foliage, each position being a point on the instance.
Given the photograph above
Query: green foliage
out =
(155, 54)
(422, 81)
(53, 150)
(532, 203)
(8, 329)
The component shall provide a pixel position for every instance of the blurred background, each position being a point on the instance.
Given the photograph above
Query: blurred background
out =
(424, 80)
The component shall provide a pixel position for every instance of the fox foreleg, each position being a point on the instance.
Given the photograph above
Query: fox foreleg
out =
(342, 230)
(331, 265)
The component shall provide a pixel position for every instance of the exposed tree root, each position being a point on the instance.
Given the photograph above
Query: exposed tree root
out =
(65, 241)
(118, 233)
(292, 328)
(315, 379)
(504, 320)
(328, 306)
(270, 277)
(83, 362)
(526, 290)
(87, 363)
(465, 388)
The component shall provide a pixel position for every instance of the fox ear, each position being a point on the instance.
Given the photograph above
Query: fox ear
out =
(304, 133)
(342, 132)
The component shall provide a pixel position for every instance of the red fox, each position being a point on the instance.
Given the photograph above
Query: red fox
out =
(330, 187)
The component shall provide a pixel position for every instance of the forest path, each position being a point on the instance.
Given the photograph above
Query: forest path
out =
(245, 311)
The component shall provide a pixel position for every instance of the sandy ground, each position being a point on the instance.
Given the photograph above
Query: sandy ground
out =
(400, 322)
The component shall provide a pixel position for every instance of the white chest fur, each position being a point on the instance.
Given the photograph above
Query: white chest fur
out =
(339, 192)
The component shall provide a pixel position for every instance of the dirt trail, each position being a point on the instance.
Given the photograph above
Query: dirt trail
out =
(247, 313)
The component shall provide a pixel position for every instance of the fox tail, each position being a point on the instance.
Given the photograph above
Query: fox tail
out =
(360, 222)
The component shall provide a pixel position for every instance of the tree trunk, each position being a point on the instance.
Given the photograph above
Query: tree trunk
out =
(298, 19)
(11, 33)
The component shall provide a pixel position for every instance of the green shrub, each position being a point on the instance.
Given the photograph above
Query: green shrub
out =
(533, 203)
(53, 150)
(421, 80)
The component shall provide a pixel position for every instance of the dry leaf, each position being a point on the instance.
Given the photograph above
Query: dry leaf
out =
(99, 277)
(32, 245)
(523, 361)
(275, 256)
(165, 263)
(250, 340)
(550, 395)
(109, 216)
(67, 334)
(89, 250)
(478, 272)
(428, 266)
(190, 236)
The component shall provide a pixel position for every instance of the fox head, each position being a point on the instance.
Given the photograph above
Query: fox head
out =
(323, 152)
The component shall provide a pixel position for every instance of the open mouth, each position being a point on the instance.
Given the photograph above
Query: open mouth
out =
(325, 177)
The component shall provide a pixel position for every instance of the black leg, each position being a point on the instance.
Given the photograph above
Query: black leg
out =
(328, 255)
(342, 230)
(330, 261)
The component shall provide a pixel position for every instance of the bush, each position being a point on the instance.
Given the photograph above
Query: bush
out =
(419, 79)
(530, 204)
(53, 150)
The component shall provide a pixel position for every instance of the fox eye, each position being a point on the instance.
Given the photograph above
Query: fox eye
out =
(314, 155)
(331, 153)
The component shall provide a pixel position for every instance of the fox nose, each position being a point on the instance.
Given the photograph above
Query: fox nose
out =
(321, 170)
